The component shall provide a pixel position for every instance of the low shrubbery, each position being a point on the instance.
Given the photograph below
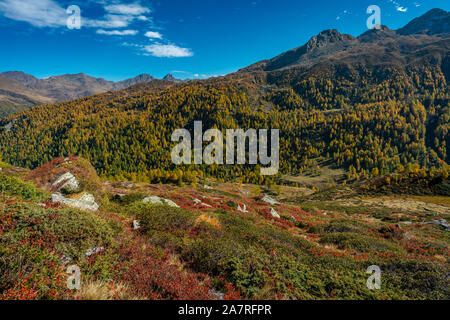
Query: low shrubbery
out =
(13, 186)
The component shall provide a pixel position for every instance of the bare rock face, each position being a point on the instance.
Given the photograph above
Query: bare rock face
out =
(67, 183)
(158, 200)
(85, 201)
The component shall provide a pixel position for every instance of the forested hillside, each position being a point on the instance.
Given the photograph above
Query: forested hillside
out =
(371, 105)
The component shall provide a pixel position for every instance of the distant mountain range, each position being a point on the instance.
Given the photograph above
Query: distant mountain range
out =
(19, 91)
(426, 36)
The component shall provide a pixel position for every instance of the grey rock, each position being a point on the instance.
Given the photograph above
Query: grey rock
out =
(158, 200)
(274, 213)
(269, 200)
(94, 250)
(242, 209)
(69, 183)
(136, 225)
(443, 223)
(85, 202)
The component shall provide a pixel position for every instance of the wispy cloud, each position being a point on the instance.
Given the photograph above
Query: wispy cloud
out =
(118, 19)
(118, 32)
(167, 51)
(153, 35)
(49, 13)
(39, 13)
(134, 9)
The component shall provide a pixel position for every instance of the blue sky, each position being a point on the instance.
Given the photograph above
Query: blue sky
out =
(120, 39)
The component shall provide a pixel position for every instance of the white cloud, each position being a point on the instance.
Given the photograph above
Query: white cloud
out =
(134, 9)
(39, 13)
(398, 6)
(49, 13)
(109, 21)
(142, 18)
(153, 35)
(117, 17)
(167, 51)
(118, 32)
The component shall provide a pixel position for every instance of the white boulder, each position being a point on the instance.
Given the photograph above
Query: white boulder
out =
(158, 200)
(269, 200)
(84, 202)
(69, 183)
(274, 213)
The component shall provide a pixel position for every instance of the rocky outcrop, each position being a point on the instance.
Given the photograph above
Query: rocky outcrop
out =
(85, 201)
(269, 200)
(67, 183)
(161, 201)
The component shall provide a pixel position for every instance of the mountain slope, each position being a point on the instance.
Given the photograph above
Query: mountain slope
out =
(15, 97)
(435, 21)
(34, 91)
(369, 105)
(72, 86)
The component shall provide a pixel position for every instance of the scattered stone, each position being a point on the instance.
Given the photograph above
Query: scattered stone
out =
(198, 202)
(293, 219)
(269, 200)
(274, 213)
(127, 184)
(208, 187)
(94, 250)
(217, 294)
(443, 223)
(8, 126)
(65, 260)
(158, 200)
(136, 225)
(85, 202)
(67, 183)
(408, 223)
(242, 209)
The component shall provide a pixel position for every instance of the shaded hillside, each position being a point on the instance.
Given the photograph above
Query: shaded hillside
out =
(15, 97)
(30, 91)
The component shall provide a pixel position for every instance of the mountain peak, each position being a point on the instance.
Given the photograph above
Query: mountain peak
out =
(326, 38)
(377, 34)
(435, 21)
(171, 78)
(20, 76)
